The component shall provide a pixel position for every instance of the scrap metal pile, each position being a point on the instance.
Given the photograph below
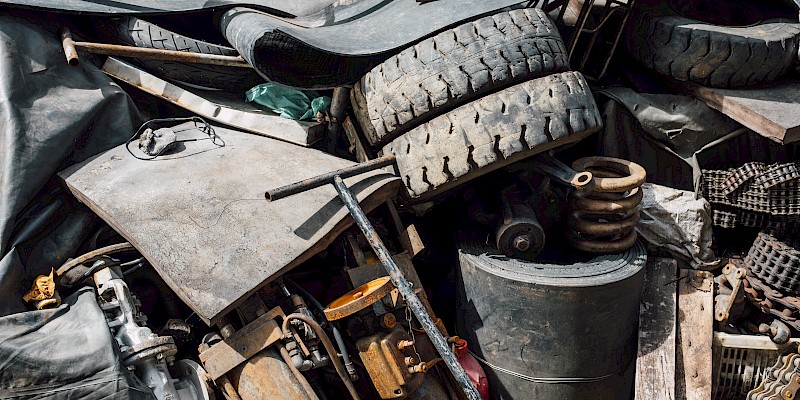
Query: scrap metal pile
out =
(366, 199)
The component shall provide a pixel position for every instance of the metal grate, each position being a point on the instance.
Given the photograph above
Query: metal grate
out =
(596, 31)
(741, 363)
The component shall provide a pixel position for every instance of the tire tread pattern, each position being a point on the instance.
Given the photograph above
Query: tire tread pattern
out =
(454, 67)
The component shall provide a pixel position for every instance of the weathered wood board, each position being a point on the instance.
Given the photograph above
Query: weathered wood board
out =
(695, 335)
(199, 215)
(655, 362)
(218, 105)
(772, 111)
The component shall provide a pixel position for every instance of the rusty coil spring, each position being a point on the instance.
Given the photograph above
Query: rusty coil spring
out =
(602, 220)
(782, 380)
(775, 261)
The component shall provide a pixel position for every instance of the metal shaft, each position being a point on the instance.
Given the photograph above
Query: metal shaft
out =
(400, 282)
(325, 179)
(71, 47)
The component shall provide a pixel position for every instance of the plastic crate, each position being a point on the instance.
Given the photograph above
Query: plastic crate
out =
(741, 361)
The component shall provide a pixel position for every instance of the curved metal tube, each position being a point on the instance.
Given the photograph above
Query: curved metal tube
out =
(297, 374)
(114, 248)
(580, 201)
(326, 342)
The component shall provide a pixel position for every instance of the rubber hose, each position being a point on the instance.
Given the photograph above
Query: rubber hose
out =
(337, 336)
(326, 342)
(297, 374)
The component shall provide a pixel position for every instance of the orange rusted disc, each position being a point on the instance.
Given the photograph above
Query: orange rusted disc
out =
(359, 298)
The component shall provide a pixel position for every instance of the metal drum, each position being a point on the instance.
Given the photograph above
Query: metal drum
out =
(546, 331)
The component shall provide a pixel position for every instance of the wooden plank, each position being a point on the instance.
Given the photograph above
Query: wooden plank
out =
(695, 335)
(200, 218)
(655, 362)
(772, 111)
(219, 106)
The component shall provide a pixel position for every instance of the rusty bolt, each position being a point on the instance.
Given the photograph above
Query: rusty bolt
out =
(789, 394)
(388, 321)
(418, 368)
(522, 242)
(403, 344)
(410, 361)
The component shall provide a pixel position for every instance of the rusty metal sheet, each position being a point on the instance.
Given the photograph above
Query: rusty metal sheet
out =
(200, 218)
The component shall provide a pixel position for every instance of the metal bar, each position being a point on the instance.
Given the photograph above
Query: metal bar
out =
(339, 103)
(326, 179)
(400, 282)
(71, 47)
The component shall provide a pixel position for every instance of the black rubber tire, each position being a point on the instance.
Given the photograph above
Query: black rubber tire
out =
(132, 31)
(454, 67)
(493, 131)
(715, 56)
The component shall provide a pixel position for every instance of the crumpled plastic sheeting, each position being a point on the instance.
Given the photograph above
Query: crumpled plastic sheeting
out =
(51, 116)
(49, 354)
(678, 222)
(288, 102)
(675, 136)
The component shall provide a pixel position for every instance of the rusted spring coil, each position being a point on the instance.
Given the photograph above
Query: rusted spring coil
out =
(603, 219)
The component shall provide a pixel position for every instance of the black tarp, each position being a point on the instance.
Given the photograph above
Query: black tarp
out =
(51, 116)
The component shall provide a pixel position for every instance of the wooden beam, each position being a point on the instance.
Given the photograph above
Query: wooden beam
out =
(772, 111)
(655, 364)
(695, 335)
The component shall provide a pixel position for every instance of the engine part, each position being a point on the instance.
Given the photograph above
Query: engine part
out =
(391, 362)
(267, 376)
(147, 353)
(783, 380)
(519, 234)
(729, 301)
(359, 298)
(603, 219)
(776, 261)
(520, 318)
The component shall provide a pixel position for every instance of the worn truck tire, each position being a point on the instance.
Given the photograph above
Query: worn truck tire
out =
(712, 55)
(454, 67)
(493, 131)
(132, 31)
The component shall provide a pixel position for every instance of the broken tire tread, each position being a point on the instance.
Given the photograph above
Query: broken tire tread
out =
(479, 136)
(455, 67)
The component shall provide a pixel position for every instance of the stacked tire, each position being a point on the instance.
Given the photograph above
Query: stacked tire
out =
(474, 98)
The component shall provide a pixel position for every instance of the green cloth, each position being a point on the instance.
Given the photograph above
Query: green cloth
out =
(288, 102)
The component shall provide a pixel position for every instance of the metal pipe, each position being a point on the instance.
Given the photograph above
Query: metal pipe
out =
(114, 248)
(400, 282)
(325, 179)
(339, 103)
(337, 336)
(71, 47)
(296, 372)
(326, 342)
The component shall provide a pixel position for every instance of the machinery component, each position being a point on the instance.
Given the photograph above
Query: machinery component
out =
(519, 234)
(141, 349)
(391, 362)
(603, 219)
(310, 341)
(267, 376)
(783, 380)
(546, 164)
(395, 274)
(729, 301)
(773, 302)
(518, 317)
(359, 298)
(755, 187)
(775, 261)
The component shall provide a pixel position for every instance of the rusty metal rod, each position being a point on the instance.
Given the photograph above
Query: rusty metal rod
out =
(326, 179)
(401, 283)
(71, 47)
